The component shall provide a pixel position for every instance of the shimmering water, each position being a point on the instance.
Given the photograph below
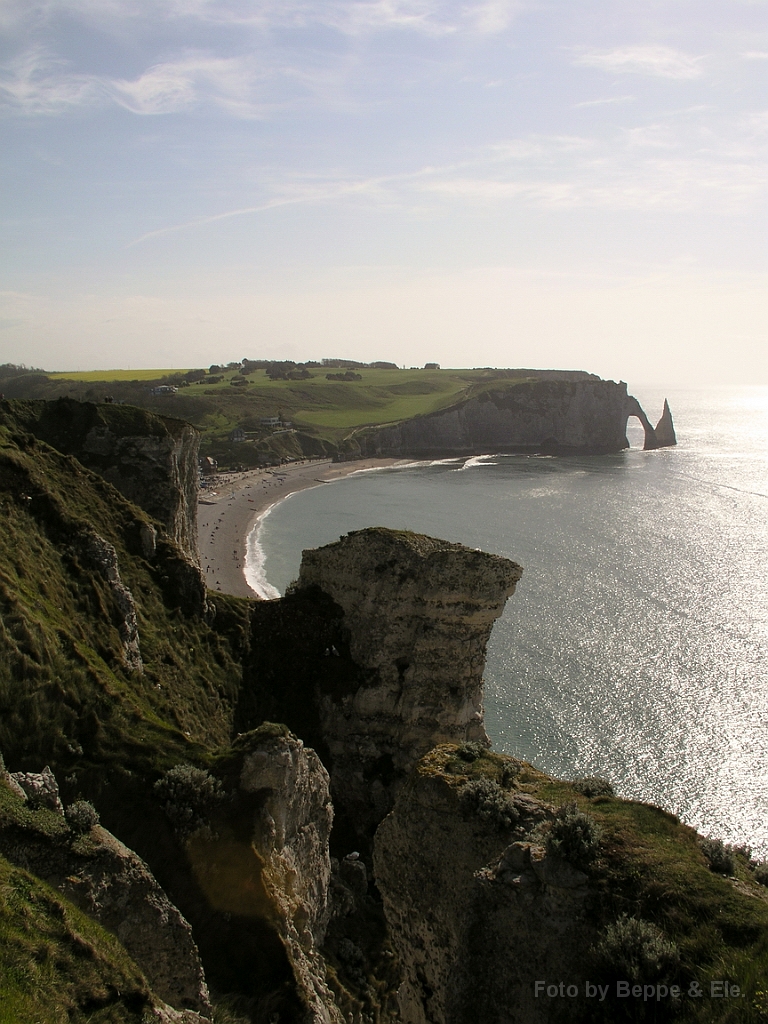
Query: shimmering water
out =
(636, 646)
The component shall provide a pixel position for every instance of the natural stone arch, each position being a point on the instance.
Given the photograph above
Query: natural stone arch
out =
(660, 436)
(633, 408)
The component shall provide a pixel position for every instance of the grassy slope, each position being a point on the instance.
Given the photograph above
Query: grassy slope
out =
(56, 964)
(65, 694)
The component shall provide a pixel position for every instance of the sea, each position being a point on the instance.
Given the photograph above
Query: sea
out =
(636, 645)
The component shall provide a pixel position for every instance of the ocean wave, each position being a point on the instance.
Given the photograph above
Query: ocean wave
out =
(476, 460)
(255, 558)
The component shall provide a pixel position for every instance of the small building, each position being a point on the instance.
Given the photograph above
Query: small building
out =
(208, 466)
(237, 436)
(270, 421)
(431, 366)
(164, 389)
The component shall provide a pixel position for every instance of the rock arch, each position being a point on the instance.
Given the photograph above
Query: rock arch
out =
(660, 436)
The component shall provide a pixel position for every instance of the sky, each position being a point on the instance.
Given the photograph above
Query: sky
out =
(573, 184)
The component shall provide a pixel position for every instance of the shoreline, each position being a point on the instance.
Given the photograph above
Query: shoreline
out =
(228, 511)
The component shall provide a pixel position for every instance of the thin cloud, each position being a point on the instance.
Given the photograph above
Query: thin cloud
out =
(36, 83)
(350, 17)
(656, 61)
(545, 172)
(178, 85)
(603, 102)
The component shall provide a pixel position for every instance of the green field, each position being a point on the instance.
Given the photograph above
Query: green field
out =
(323, 413)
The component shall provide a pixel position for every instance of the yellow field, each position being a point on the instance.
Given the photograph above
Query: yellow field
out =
(108, 375)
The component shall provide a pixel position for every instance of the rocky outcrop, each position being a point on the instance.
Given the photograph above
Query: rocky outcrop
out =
(419, 613)
(660, 436)
(476, 912)
(115, 887)
(103, 557)
(40, 789)
(279, 863)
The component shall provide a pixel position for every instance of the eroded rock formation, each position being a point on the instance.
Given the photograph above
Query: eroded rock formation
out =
(476, 912)
(660, 436)
(665, 428)
(419, 613)
(553, 414)
(278, 869)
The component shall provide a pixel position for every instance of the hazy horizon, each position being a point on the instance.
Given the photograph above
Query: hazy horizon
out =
(484, 182)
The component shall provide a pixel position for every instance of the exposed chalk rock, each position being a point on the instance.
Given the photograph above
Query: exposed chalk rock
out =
(419, 613)
(148, 538)
(103, 557)
(40, 788)
(555, 412)
(284, 867)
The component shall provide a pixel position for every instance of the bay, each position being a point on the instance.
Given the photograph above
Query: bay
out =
(635, 646)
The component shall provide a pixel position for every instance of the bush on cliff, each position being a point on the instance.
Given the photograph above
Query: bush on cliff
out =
(574, 836)
(592, 786)
(81, 816)
(488, 801)
(636, 951)
(721, 856)
(189, 795)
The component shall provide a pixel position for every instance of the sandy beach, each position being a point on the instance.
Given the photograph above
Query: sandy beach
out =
(227, 511)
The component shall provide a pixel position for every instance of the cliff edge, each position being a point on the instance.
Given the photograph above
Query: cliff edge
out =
(538, 415)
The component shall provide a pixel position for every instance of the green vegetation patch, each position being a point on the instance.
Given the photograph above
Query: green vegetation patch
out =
(58, 965)
(66, 693)
(323, 413)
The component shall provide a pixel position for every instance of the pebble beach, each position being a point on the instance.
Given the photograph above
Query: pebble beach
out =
(229, 507)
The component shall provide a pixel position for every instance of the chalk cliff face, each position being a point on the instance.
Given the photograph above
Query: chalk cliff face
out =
(476, 912)
(419, 613)
(150, 459)
(274, 864)
(556, 416)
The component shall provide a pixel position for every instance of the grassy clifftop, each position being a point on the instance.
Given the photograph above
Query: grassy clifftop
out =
(323, 412)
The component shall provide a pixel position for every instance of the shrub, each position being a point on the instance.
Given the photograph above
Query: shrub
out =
(509, 773)
(574, 836)
(189, 794)
(488, 801)
(591, 785)
(81, 816)
(636, 950)
(721, 856)
(761, 872)
(470, 750)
